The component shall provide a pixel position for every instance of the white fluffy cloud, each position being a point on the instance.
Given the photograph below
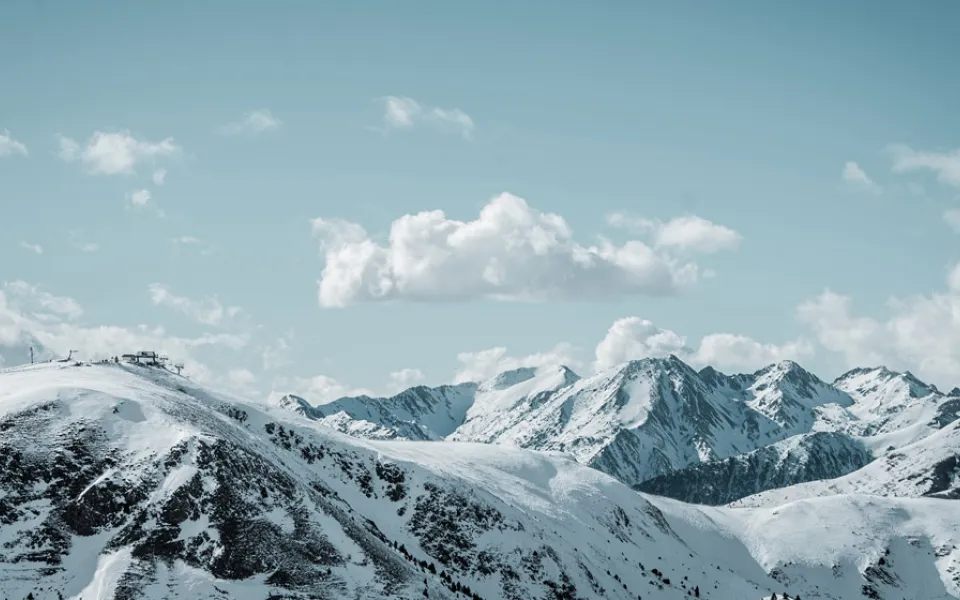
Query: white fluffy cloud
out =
(921, 333)
(511, 251)
(116, 153)
(35, 248)
(690, 233)
(159, 176)
(10, 146)
(206, 311)
(732, 351)
(635, 338)
(405, 113)
(855, 177)
(946, 165)
(405, 378)
(484, 364)
(952, 219)
(142, 200)
(252, 123)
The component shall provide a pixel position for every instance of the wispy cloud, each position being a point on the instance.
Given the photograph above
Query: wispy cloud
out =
(276, 355)
(189, 241)
(856, 178)
(10, 146)
(35, 248)
(252, 123)
(690, 233)
(41, 301)
(159, 176)
(115, 153)
(946, 164)
(206, 311)
(400, 112)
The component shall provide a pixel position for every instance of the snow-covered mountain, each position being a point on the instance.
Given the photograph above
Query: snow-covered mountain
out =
(418, 413)
(636, 421)
(928, 467)
(799, 459)
(131, 482)
(887, 402)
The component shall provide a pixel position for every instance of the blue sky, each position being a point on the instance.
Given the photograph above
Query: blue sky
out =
(189, 170)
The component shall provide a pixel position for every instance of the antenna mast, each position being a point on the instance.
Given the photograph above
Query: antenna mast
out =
(31, 355)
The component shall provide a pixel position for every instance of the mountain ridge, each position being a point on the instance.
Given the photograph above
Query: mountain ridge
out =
(131, 482)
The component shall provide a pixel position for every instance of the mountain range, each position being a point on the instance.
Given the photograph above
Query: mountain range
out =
(127, 481)
(660, 426)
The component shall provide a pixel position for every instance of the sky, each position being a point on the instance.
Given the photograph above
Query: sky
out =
(343, 197)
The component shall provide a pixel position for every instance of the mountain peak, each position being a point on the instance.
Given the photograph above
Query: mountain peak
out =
(864, 379)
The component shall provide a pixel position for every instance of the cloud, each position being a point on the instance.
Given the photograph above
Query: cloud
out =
(252, 123)
(10, 146)
(317, 390)
(856, 178)
(77, 242)
(921, 333)
(636, 338)
(189, 241)
(484, 364)
(159, 176)
(185, 240)
(731, 351)
(276, 355)
(206, 311)
(142, 200)
(139, 198)
(405, 113)
(509, 252)
(116, 153)
(689, 233)
(952, 219)
(241, 381)
(86, 246)
(633, 338)
(946, 165)
(35, 248)
(29, 297)
(32, 317)
(404, 379)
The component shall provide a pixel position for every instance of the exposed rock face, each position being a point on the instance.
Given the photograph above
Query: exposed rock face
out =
(803, 458)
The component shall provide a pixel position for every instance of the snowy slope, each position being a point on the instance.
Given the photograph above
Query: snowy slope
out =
(135, 483)
(799, 459)
(650, 417)
(887, 401)
(658, 420)
(418, 413)
(928, 467)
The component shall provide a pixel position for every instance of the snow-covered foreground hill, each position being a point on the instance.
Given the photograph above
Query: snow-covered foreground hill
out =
(131, 482)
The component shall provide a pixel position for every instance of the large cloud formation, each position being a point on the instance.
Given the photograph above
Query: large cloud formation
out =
(636, 338)
(511, 251)
(922, 333)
